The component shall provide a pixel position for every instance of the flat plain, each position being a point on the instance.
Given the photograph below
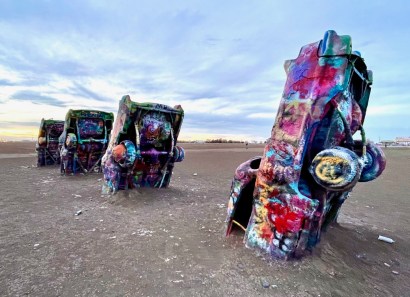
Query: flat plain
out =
(170, 242)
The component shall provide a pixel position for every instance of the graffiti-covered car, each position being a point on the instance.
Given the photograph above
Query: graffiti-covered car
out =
(84, 140)
(287, 197)
(142, 149)
(47, 142)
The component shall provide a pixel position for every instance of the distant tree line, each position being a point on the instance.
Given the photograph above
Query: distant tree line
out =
(220, 140)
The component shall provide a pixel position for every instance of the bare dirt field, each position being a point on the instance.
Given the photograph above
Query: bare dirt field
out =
(170, 242)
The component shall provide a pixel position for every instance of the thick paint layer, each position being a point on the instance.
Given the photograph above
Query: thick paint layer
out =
(47, 142)
(142, 149)
(84, 140)
(310, 162)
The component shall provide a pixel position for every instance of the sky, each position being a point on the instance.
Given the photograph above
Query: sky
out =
(221, 60)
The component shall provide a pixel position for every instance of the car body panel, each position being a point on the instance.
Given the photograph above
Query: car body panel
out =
(142, 148)
(323, 104)
(47, 142)
(84, 140)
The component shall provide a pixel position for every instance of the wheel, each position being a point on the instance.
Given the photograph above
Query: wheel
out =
(374, 164)
(336, 169)
(42, 140)
(125, 153)
(71, 140)
(179, 153)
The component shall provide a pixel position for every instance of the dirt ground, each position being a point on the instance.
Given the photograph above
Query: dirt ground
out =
(170, 242)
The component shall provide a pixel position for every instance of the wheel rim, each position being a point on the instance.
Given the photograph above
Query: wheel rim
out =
(336, 169)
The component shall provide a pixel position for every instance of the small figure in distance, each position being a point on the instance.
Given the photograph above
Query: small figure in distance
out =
(246, 144)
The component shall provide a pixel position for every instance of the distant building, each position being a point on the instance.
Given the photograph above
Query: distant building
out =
(403, 141)
(387, 143)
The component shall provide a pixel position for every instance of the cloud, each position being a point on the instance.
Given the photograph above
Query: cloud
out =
(81, 91)
(388, 109)
(5, 82)
(37, 98)
(261, 115)
(5, 124)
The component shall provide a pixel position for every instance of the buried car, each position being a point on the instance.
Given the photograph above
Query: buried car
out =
(47, 142)
(142, 148)
(286, 198)
(84, 140)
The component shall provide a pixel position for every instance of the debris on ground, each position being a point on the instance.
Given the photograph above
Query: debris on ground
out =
(385, 239)
(265, 283)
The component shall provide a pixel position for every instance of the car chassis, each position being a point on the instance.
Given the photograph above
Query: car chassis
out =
(286, 198)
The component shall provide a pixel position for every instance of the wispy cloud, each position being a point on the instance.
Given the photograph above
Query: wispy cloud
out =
(8, 124)
(37, 98)
(81, 91)
(5, 82)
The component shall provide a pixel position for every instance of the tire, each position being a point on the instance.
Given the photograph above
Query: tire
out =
(179, 153)
(42, 140)
(130, 154)
(71, 140)
(336, 169)
(374, 164)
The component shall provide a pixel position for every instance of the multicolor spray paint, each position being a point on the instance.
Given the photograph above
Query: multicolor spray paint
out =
(47, 142)
(84, 140)
(142, 148)
(311, 162)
